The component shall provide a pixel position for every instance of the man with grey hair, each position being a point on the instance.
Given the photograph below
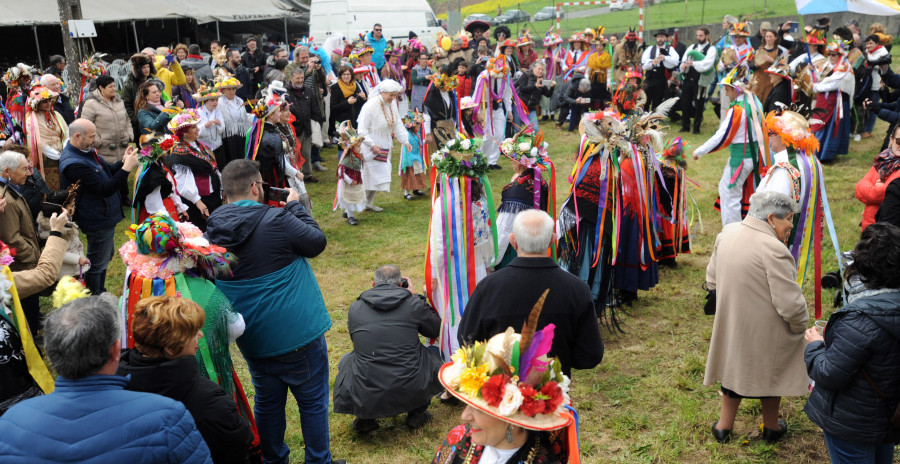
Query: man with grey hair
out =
(389, 371)
(505, 298)
(17, 227)
(90, 417)
(62, 105)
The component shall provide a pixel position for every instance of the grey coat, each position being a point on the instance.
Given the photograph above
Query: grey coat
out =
(389, 371)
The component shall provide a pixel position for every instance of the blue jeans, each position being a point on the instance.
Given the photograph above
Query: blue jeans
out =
(533, 120)
(305, 373)
(101, 245)
(844, 452)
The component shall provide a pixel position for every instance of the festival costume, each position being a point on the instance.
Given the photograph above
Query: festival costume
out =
(210, 136)
(195, 171)
(235, 122)
(741, 131)
(24, 374)
(46, 132)
(155, 189)
(834, 92)
(18, 80)
(629, 99)
(797, 174)
(412, 162)
(672, 212)
(394, 71)
(462, 235)
(511, 378)
(440, 111)
(171, 258)
(557, 61)
(534, 188)
(350, 195)
(656, 76)
(379, 124)
(733, 56)
(599, 71)
(626, 55)
(9, 128)
(496, 97)
(695, 83)
(371, 77)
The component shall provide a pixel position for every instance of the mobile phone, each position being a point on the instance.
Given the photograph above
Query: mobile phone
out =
(49, 208)
(794, 27)
(546, 82)
(278, 194)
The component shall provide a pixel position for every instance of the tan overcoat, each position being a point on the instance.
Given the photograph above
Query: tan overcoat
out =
(757, 340)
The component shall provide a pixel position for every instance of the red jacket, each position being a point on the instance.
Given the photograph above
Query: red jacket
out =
(464, 89)
(871, 193)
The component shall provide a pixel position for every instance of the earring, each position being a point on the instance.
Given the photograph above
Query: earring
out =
(509, 435)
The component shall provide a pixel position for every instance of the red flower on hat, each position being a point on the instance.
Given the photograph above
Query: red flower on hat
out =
(492, 390)
(532, 403)
(554, 393)
(167, 144)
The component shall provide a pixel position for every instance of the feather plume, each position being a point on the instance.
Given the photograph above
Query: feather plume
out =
(532, 366)
(664, 107)
(504, 366)
(531, 324)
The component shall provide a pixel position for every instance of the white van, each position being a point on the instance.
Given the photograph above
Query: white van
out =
(354, 17)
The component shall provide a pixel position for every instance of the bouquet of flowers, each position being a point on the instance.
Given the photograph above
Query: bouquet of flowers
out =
(528, 149)
(154, 148)
(460, 157)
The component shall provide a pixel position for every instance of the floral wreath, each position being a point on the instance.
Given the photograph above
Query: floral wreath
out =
(160, 248)
(838, 46)
(460, 157)
(39, 94)
(154, 148)
(511, 377)
(444, 82)
(793, 128)
(413, 120)
(16, 73)
(526, 148)
(497, 66)
(93, 66)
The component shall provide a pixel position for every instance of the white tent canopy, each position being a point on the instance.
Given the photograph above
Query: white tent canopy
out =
(47, 12)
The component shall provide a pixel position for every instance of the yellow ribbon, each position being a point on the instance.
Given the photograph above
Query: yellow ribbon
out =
(36, 366)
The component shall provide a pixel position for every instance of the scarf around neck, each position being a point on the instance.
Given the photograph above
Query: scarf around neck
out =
(886, 161)
(347, 89)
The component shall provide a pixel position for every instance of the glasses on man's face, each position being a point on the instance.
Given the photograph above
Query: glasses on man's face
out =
(377, 30)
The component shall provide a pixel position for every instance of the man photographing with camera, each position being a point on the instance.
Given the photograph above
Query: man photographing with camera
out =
(275, 290)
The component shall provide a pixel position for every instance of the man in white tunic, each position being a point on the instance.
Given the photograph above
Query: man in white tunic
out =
(379, 122)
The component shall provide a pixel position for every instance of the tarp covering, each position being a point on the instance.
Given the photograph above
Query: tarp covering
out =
(869, 7)
(26, 13)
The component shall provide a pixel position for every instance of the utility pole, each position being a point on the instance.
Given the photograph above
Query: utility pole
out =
(69, 10)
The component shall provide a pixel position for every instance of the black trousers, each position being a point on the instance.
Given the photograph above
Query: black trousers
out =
(692, 104)
(656, 91)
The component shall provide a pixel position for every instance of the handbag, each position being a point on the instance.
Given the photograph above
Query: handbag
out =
(709, 308)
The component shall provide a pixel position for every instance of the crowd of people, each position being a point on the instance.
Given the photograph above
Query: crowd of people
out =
(219, 151)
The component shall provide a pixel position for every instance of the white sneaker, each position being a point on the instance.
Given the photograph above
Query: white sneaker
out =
(374, 208)
(857, 138)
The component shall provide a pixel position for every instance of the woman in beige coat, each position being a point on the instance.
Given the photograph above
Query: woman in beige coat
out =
(756, 349)
(105, 109)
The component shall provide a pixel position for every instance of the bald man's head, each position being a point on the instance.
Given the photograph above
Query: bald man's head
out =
(532, 232)
(82, 134)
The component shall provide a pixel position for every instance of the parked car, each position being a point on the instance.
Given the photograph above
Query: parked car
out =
(513, 16)
(549, 12)
(480, 17)
(619, 5)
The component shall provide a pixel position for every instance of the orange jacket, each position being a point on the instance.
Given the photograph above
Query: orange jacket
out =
(871, 193)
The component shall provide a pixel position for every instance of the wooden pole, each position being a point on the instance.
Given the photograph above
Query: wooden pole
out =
(37, 44)
(69, 10)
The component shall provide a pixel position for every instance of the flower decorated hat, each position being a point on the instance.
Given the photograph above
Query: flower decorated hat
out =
(17, 73)
(188, 117)
(461, 157)
(413, 119)
(205, 93)
(511, 378)
(497, 66)
(225, 81)
(793, 128)
(39, 94)
(444, 82)
(93, 66)
(634, 71)
(741, 29)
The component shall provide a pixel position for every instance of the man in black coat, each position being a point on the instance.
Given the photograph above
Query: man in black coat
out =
(530, 88)
(389, 371)
(305, 109)
(505, 298)
(254, 60)
(234, 66)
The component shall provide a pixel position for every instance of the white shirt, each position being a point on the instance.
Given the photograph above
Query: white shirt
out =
(377, 131)
(707, 62)
(492, 455)
(777, 178)
(670, 60)
(739, 137)
(211, 136)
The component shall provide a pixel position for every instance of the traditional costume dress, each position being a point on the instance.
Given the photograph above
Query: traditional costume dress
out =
(18, 84)
(154, 184)
(834, 92)
(394, 71)
(558, 62)
(350, 194)
(585, 225)
(733, 56)
(462, 236)
(46, 133)
(235, 121)
(599, 71)
(10, 131)
(440, 114)
(379, 123)
(195, 170)
(533, 188)
(526, 56)
(741, 131)
(171, 258)
(629, 99)
(626, 56)
(412, 162)
(540, 404)
(358, 58)
(496, 97)
(23, 373)
(672, 199)
(212, 135)
(798, 174)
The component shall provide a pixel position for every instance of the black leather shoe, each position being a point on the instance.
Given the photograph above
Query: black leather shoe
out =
(684, 130)
(364, 425)
(352, 221)
(418, 193)
(345, 215)
(408, 196)
(417, 421)
(696, 131)
(721, 436)
(772, 436)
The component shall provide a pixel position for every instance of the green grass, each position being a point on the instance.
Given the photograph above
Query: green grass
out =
(661, 15)
(645, 402)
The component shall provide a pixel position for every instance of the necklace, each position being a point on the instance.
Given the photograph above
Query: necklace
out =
(388, 115)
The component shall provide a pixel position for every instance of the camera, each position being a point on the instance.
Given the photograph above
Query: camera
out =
(404, 282)
(277, 194)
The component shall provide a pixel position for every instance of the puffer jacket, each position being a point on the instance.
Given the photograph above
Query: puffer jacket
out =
(113, 126)
(94, 420)
(871, 193)
(529, 92)
(865, 334)
(151, 119)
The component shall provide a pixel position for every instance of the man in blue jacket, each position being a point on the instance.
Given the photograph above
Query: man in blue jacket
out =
(98, 206)
(379, 43)
(90, 417)
(275, 290)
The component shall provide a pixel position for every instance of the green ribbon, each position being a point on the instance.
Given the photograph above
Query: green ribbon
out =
(182, 286)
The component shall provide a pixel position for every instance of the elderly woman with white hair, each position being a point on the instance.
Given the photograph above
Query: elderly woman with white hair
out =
(756, 348)
(380, 122)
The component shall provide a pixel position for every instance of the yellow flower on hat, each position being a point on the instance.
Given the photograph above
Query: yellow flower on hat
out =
(472, 379)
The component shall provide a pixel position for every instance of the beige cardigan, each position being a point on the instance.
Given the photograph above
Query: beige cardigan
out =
(757, 341)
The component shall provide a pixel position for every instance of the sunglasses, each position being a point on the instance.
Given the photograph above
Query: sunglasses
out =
(377, 30)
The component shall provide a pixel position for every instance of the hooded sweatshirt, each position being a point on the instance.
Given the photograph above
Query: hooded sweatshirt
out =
(273, 286)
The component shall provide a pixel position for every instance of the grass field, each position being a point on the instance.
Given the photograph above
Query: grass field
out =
(660, 15)
(645, 402)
